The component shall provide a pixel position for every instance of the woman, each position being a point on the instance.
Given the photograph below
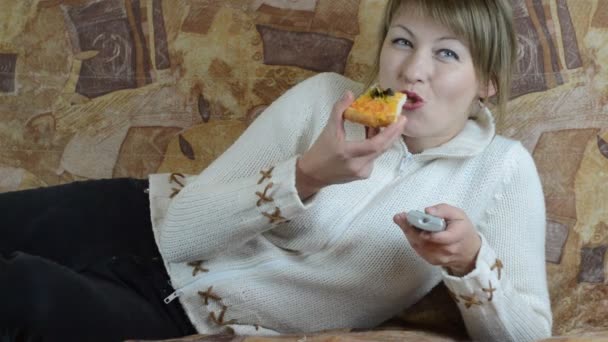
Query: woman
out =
(299, 226)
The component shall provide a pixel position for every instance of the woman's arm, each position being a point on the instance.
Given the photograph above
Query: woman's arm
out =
(505, 298)
(250, 188)
(261, 180)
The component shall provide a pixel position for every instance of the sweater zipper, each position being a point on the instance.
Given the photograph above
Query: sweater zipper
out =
(265, 262)
(405, 161)
(404, 164)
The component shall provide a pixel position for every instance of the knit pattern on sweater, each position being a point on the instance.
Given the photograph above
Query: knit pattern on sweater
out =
(245, 253)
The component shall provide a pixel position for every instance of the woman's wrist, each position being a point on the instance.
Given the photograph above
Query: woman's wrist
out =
(306, 185)
(463, 270)
(468, 266)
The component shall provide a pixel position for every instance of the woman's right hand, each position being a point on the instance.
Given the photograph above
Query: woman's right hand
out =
(333, 160)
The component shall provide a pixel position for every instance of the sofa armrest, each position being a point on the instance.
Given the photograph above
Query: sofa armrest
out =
(329, 336)
(587, 335)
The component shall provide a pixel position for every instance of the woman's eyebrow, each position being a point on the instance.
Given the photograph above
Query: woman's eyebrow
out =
(404, 28)
(413, 35)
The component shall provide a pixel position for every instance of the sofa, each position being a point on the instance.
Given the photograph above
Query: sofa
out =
(114, 88)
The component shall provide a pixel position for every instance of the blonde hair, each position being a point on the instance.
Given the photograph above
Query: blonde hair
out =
(487, 28)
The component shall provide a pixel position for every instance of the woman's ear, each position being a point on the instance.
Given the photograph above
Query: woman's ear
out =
(487, 91)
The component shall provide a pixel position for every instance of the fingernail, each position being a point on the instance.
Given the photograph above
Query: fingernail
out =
(431, 210)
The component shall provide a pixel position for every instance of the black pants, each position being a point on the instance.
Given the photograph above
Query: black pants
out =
(78, 262)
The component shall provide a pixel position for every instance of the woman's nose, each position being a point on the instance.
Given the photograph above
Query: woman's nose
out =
(416, 67)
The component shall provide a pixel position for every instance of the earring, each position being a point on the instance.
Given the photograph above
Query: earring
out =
(475, 112)
(482, 106)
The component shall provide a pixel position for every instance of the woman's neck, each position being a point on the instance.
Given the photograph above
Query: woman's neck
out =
(418, 145)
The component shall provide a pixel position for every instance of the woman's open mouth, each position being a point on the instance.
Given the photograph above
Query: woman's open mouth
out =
(414, 101)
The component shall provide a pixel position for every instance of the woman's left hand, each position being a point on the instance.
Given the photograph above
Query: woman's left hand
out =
(455, 248)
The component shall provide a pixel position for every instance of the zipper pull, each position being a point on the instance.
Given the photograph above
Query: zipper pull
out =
(172, 296)
(404, 161)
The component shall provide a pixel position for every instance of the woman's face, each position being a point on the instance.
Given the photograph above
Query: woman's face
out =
(434, 68)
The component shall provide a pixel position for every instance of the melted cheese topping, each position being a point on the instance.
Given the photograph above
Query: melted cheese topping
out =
(381, 106)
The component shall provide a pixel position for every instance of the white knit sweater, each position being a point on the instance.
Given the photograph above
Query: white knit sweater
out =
(244, 252)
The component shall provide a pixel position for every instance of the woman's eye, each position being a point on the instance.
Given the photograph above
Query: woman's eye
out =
(445, 53)
(401, 41)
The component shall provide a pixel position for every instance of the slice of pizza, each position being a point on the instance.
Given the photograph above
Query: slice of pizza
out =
(376, 107)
